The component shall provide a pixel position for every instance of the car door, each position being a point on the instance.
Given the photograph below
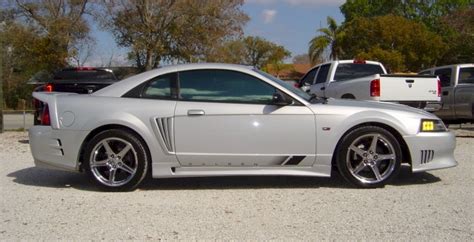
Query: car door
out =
(319, 85)
(225, 118)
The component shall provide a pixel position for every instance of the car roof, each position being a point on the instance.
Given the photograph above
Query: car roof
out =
(449, 66)
(121, 87)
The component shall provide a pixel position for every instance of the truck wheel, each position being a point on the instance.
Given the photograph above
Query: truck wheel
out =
(368, 157)
(116, 160)
(348, 96)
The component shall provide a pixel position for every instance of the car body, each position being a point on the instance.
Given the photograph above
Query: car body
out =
(457, 98)
(197, 120)
(368, 80)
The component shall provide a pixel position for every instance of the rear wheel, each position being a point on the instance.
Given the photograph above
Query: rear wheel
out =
(369, 157)
(116, 160)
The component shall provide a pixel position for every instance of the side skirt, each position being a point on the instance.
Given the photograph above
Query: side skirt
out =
(167, 171)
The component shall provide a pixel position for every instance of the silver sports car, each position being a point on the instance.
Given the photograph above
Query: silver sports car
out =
(198, 120)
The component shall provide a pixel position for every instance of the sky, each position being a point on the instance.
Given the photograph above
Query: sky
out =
(290, 23)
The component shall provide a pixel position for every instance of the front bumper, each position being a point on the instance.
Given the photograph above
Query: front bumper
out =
(55, 149)
(431, 151)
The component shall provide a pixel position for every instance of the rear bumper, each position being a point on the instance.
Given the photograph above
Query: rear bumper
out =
(431, 151)
(433, 106)
(55, 149)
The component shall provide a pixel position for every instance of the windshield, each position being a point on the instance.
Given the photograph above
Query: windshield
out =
(288, 86)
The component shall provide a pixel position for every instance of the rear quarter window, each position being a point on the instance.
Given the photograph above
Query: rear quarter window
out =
(349, 71)
(466, 75)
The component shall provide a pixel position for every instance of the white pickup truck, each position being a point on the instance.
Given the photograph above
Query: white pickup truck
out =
(367, 80)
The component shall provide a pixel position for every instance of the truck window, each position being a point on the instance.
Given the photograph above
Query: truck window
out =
(349, 71)
(309, 78)
(466, 75)
(444, 76)
(323, 74)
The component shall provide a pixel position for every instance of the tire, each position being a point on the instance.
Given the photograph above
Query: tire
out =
(364, 166)
(116, 160)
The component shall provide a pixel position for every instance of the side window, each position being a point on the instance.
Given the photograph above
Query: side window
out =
(158, 87)
(309, 78)
(466, 75)
(444, 76)
(322, 74)
(224, 86)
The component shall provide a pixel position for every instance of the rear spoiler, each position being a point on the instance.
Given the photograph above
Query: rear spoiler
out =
(48, 97)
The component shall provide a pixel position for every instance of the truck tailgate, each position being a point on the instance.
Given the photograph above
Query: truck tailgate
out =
(408, 88)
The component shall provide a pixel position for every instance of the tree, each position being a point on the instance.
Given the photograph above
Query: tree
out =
(459, 27)
(401, 44)
(185, 30)
(60, 23)
(35, 36)
(252, 50)
(330, 37)
(301, 59)
(428, 12)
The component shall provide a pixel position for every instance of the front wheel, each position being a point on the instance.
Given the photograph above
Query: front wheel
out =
(368, 157)
(117, 160)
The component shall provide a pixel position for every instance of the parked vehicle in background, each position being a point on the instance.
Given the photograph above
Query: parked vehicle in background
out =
(82, 80)
(457, 92)
(197, 120)
(368, 80)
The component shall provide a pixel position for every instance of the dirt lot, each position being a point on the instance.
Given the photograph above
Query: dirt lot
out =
(38, 204)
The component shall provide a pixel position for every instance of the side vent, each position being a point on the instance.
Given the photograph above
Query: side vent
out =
(165, 126)
(427, 156)
(292, 160)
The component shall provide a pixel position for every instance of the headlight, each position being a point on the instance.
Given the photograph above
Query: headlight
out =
(432, 125)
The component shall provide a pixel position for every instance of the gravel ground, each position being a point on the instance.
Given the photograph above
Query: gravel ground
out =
(38, 204)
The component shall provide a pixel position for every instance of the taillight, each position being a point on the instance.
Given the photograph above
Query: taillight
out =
(375, 88)
(439, 88)
(297, 85)
(45, 119)
(48, 87)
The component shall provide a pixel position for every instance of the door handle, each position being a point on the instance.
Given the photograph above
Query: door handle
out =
(196, 112)
(322, 88)
(445, 93)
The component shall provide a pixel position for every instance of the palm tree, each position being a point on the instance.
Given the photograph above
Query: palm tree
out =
(329, 37)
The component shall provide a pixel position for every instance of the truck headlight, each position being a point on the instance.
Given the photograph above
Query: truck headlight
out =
(432, 125)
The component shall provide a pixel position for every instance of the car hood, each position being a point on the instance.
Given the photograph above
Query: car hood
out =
(334, 106)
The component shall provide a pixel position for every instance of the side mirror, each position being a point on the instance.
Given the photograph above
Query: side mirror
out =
(281, 100)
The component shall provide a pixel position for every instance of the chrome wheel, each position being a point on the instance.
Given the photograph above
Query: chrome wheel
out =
(368, 156)
(113, 161)
(371, 158)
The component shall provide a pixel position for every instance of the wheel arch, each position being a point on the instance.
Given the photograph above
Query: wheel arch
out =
(406, 157)
(105, 127)
(348, 96)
